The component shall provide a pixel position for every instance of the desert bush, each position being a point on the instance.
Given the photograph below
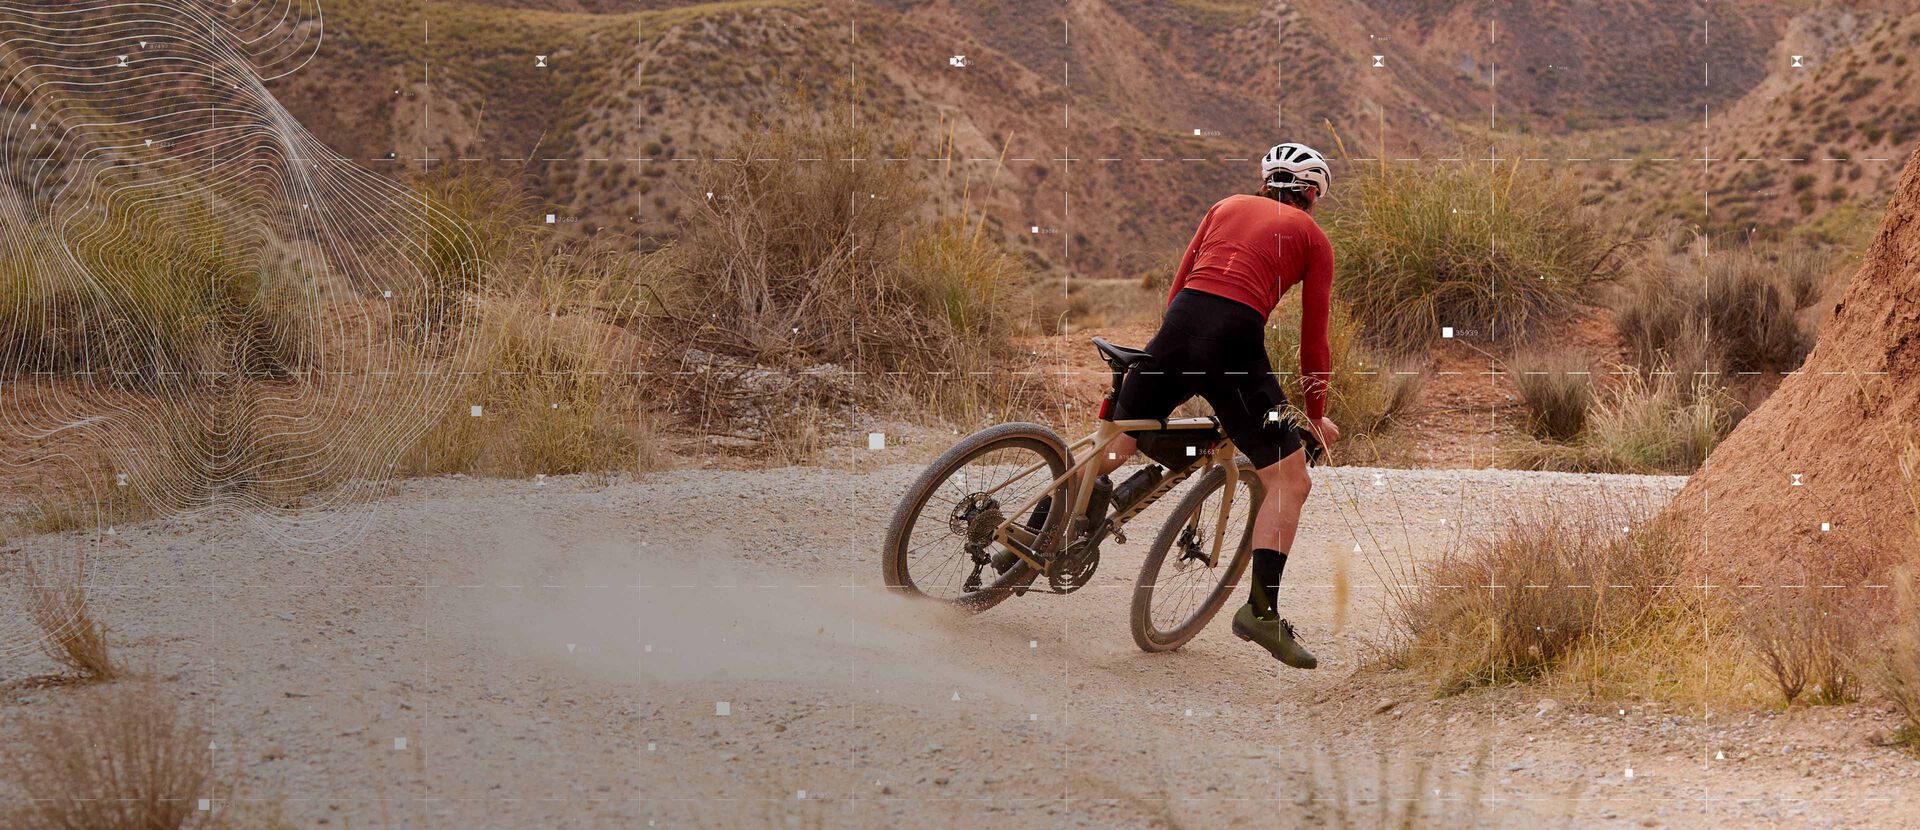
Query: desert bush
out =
(58, 607)
(1498, 249)
(1556, 391)
(1899, 671)
(1734, 310)
(1510, 606)
(474, 229)
(1368, 395)
(1666, 423)
(1805, 642)
(125, 758)
(155, 290)
(801, 264)
(556, 378)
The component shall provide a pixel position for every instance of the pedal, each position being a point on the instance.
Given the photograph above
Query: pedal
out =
(1117, 535)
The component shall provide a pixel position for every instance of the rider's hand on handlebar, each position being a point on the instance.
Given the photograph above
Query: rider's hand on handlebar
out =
(1325, 430)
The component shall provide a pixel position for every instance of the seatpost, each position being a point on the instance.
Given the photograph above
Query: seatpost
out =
(1113, 394)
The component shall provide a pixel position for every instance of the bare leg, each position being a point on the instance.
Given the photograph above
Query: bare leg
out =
(1287, 485)
(1121, 448)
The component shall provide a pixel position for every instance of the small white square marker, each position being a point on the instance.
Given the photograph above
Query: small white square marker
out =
(1629, 773)
(474, 410)
(1192, 451)
(1033, 644)
(206, 804)
(399, 743)
(1446, 332)
(1112, 456)
(650, 746)
(800, 795)
(1826, 526)
(550, 218)
(876, 440)
(722, 708)
(1032, 716)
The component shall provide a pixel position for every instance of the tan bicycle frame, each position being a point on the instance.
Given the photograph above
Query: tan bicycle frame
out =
(1080, 477)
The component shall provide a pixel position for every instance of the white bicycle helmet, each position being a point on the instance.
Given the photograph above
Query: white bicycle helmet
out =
(1296, 167)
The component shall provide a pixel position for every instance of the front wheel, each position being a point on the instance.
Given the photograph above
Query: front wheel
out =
(1181, 584)
(940, 544)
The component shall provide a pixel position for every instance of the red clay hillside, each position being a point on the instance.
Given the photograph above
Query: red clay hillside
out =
(1824, 449)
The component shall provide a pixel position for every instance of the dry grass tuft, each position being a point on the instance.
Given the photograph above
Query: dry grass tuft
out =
(1556, 391)
(803, 267)
(1899, 674)
(555, 383)
(1500, 249)
(124, 758)
(1589, 605)
(1732, 310)
(1369, 395)
(72, 637)
(1510, 607)
(1666, 423)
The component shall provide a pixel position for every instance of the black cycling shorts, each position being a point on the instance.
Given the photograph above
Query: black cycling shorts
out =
(1215, 348)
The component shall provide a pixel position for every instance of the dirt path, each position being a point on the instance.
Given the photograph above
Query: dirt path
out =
(708, 648)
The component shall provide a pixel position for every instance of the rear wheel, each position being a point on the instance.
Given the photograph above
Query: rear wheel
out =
(940, 544)
(1180, 587)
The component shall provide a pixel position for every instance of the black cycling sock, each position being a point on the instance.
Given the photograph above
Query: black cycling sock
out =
(1268, 564)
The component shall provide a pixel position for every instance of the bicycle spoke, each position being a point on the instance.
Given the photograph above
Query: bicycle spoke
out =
(1003, 479)
(1184, 588)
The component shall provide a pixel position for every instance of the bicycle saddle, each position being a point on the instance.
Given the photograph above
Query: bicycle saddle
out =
(1120, 358)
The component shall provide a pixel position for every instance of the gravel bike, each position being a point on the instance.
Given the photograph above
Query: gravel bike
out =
(1015, 502)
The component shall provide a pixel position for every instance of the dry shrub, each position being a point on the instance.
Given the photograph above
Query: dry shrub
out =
(153, 289)
(1805, 642)
(1556, 391)
(1659, 424)
(558, 380)
(1368, 395)
(72, 637)
(1668, 424)
(1500, 249)
(802, 264)
(1733, 310)
(124, 758)
(1899, 673)
(476, 230)
(1511, 606)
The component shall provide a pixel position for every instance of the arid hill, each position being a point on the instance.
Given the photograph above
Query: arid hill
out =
(1808, 486)
(1090, 132)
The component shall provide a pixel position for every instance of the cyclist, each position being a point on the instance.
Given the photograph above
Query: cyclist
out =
(1248, 251)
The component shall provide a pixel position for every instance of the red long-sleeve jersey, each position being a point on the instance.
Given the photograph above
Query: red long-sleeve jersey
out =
(1251, 249)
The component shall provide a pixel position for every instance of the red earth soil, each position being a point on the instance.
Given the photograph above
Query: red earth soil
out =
(1809, 487)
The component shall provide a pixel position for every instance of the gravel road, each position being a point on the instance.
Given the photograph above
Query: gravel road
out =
(713, 648)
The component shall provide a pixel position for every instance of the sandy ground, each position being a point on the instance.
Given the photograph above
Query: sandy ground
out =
(710, 648)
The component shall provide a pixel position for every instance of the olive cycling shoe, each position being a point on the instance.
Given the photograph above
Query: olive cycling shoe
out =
(1274, 635)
